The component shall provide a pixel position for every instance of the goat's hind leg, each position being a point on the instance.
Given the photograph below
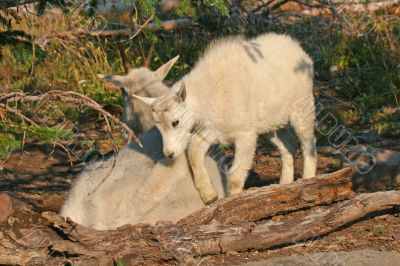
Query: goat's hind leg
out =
(303, 124)
(285, 141)
(245, 146)
(196, 152)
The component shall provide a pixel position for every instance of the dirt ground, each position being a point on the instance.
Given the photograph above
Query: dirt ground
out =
(42, 177)
(355, 257)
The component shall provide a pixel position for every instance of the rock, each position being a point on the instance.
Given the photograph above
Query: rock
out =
(6, 207)
(367, 136)
(376, 169)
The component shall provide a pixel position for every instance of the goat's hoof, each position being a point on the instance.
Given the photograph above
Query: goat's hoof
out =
(209, 197)
(236, 190)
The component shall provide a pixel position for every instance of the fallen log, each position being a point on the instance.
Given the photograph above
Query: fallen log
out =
(145, 242)
(50, 239)
(189, 243)
(260, 203)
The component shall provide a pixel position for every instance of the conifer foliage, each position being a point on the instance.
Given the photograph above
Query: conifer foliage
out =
(18, 120)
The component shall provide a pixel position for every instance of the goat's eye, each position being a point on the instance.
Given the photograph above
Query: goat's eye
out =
(175, 123)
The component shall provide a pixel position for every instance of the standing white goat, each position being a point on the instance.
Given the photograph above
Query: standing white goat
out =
(143, 82)
(239, 89)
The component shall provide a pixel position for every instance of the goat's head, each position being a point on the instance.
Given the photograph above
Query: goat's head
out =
(142, 79)
(173, 119)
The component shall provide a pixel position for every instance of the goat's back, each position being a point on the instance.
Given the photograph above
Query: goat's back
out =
(113, 203)
(248, 80)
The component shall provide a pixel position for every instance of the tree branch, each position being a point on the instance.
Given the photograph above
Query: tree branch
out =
(14, 3)
(130, 31)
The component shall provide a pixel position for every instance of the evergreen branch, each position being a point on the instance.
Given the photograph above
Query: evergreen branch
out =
(18, 113)
(72, 97)
(68, 96)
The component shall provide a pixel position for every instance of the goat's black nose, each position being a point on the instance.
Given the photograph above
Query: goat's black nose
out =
(171, 155)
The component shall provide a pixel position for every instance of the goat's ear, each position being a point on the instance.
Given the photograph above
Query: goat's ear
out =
(115, 79)
(147, 100)
(163, 70)
(182, 92)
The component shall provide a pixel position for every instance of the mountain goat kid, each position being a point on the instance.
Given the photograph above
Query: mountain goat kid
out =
(238, 90)
(141, 187)
(143, 82)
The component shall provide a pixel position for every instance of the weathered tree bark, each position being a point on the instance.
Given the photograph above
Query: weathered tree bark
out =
(238, 223)
(260, 203)
(31, 236)
(56, 240)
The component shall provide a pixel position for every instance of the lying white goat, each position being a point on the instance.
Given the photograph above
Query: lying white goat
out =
(239, 89)
(142, 82)
(143, 187)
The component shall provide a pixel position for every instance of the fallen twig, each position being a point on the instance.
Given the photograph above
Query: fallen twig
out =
(141, 27)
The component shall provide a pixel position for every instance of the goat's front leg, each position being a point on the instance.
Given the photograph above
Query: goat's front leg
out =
(196, 153)
(245, 146)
